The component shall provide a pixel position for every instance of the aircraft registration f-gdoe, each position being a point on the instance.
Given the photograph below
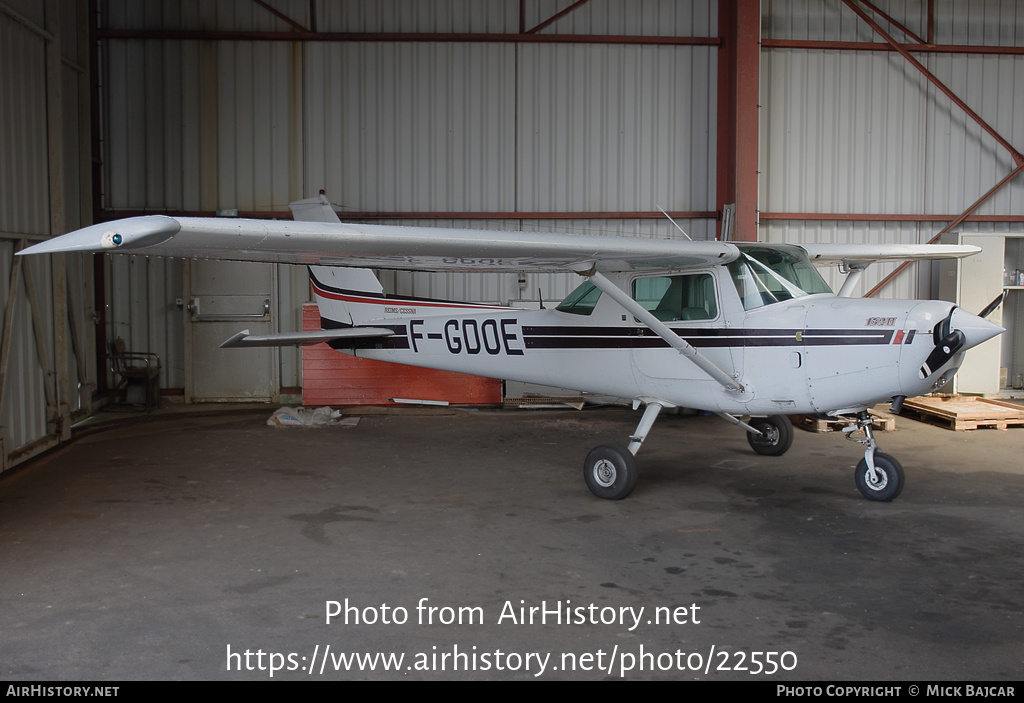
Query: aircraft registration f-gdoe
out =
(749, 331)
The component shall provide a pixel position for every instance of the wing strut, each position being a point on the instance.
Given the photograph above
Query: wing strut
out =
(662, 330)
(855, 272)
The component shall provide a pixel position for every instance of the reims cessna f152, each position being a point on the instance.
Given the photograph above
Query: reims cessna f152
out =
(749, 331)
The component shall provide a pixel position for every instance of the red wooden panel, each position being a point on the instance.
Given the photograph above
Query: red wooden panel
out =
(332, 378)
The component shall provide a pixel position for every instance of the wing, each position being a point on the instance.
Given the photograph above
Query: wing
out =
(864, 254)
(383, 246)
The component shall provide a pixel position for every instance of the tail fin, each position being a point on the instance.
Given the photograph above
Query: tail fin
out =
(345, 296)
(316, 209)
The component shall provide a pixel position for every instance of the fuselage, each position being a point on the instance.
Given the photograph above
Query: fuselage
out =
(791, 351)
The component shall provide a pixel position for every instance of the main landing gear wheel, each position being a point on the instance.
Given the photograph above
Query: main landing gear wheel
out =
(775, 438)
(610, 472)
(885, 483)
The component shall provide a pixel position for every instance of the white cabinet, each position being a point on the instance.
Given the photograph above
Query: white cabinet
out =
(972, 283)
(1013, 314)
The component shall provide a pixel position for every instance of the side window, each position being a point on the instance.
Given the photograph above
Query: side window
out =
(672, 298)
(582, 300)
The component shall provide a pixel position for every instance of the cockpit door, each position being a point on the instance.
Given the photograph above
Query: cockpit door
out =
(689, 304)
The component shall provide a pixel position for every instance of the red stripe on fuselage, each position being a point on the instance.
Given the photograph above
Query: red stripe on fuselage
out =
(367, 300)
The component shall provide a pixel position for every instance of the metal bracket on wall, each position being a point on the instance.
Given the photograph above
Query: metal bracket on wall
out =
(193, 308)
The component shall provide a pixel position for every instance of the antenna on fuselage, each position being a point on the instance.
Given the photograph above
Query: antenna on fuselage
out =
(676, 224)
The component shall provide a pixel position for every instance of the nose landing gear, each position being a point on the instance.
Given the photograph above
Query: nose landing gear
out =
(879, 476)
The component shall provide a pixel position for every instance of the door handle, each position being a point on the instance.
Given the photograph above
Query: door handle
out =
(193, 308)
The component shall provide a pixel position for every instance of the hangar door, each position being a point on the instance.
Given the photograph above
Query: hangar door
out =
(225, 297)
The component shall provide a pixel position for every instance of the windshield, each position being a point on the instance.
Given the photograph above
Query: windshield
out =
(764, 275)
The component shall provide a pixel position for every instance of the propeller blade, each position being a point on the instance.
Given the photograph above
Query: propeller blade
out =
(991, 307)
(943, 352)
(941, 330)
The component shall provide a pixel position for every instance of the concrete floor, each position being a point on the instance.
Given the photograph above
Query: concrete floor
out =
(168, 549)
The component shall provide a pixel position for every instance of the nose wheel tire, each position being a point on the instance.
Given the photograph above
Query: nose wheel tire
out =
(887, 481)
(775, 438)
(610, 472)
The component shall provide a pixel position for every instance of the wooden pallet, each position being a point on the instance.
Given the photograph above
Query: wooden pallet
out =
(813, 423)
(965, 412)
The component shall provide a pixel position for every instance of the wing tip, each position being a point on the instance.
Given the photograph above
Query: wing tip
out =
(129, 234)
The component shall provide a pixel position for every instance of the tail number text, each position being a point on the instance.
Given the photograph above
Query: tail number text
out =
(470, 336)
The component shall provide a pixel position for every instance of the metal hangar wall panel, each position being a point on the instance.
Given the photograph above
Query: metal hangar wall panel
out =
(47, 355)
(442, 124)
(853, 130)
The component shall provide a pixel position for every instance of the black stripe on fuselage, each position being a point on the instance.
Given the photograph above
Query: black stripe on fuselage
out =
(575, 337)
(551, 337)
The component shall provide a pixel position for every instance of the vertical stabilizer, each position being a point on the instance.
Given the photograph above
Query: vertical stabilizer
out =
(316, 209)
(345, 296)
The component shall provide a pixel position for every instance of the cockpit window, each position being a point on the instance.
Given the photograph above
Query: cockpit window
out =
(582, 300)
(768, 275)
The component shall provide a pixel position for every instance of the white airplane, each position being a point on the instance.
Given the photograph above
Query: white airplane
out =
(746, 330)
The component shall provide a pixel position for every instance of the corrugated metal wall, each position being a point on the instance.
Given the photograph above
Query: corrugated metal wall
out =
(403, 126)
(47, 360)
(863, 132)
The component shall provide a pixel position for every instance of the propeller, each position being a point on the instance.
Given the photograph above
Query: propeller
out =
(948, 342)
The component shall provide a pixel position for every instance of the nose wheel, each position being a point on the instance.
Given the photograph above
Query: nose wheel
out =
(884, 482)
(879, 476)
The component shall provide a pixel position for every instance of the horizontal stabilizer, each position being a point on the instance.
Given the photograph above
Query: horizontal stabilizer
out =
(287, 339)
